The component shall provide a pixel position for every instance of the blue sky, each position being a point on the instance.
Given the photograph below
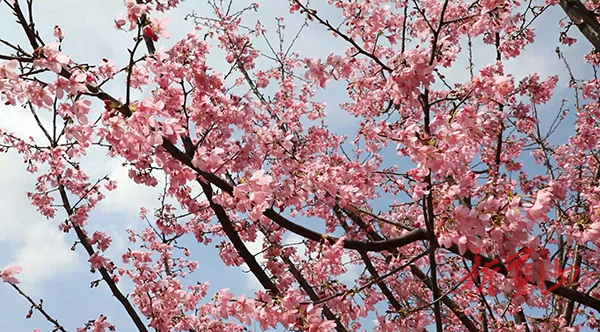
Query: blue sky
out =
(60, 276)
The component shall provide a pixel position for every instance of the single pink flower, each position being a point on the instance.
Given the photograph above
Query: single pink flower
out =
(119, 23)
(9, 272)
(7, 68)
(160, 26)
(100, 325)
(58, 33)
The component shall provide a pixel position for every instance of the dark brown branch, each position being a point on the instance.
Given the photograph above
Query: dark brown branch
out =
(83, 239)
(20, 59)
(131, 64)
(428, 212)
(467, 322)
(312, 14)
(237, 242)
(520, 319)
(429, 223)
(421, 276)
(577, 260)
(29, 31)
(40, 309)
(148, 40)
(584, 19)
(382, 286)
(312, 294)
(412, 236)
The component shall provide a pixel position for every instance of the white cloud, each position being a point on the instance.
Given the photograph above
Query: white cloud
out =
(45, 254)
(36, 244)
(20, 122)
(130, 196)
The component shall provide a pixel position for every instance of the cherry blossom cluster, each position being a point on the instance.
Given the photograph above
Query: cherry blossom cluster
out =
(433, 184)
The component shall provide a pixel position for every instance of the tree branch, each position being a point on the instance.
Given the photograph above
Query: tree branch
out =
(103, 272)
(584, 19)
(237, 242)
(38, 307)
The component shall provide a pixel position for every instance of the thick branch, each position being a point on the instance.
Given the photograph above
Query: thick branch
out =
(105, 275)
(237, 242)
(467, 322)
(10, 57)
(312, 294)
(584, 19)
(29, 31)
(577, 260)
(147, 40)
(413, 236)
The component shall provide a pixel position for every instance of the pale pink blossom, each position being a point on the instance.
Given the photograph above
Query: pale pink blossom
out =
(8, 273)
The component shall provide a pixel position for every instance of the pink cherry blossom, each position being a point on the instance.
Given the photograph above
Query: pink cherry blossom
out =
(101, 325)
(58, 33)
(160, 26)
(360, 159)
(7, 70)
(8, 273)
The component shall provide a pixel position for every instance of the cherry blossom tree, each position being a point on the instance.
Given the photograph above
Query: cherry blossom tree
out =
(432, 197)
